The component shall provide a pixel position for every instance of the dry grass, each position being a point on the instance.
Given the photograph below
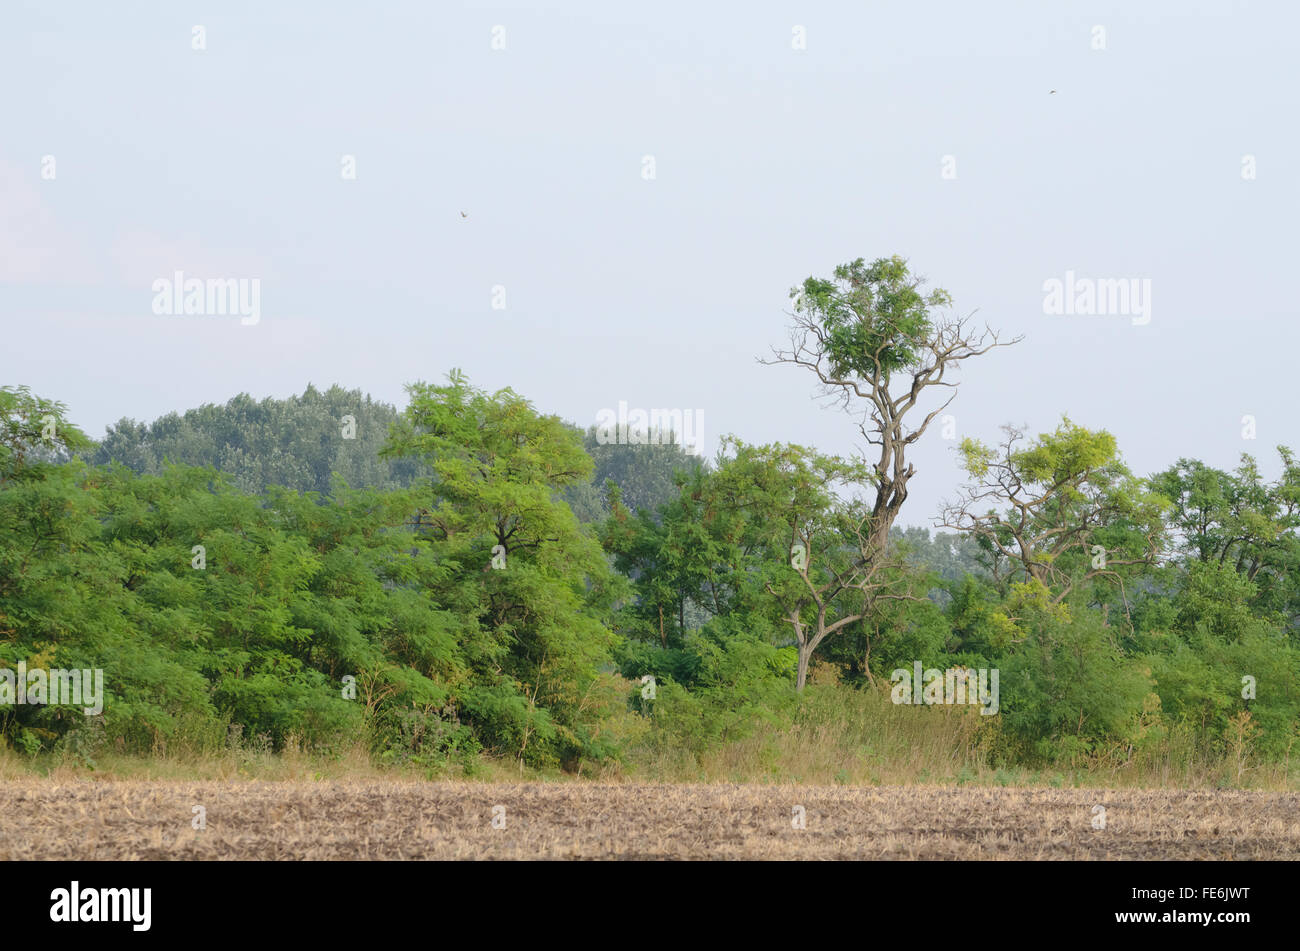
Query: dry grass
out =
(48, 819)
(860, 738)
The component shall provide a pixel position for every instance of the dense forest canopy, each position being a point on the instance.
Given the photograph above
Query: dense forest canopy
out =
(471, 575)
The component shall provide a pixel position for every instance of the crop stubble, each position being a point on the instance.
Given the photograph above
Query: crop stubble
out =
(43, 819)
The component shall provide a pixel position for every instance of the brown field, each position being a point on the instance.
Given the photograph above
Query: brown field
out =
(44, 819)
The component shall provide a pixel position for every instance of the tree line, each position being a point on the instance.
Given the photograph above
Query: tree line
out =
(470, 575)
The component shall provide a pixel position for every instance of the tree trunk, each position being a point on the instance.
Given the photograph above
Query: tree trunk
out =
(805, 655)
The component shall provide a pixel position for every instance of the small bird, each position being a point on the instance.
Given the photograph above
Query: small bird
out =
(1052, 93)
(463, 215)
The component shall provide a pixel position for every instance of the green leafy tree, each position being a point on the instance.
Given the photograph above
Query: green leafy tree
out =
(33, 431)
(645, 474)
(822, 569)
(535, 581)
(1239, 520)
(1069, 691)
(1058, 511)
(299, 443)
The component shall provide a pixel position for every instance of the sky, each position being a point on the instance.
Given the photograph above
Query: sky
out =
(595, 203)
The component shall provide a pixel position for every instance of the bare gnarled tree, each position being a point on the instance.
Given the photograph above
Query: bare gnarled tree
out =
(860, 332)
(872, 339)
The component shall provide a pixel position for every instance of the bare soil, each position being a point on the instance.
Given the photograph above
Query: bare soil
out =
(45, 819)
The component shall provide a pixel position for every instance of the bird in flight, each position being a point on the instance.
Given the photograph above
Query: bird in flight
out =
(1052, 93)
(463, 215)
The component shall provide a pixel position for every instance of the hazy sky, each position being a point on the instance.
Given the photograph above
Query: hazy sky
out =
(771, 163)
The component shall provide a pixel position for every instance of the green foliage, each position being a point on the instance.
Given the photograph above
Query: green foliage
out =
(301, 442)
(1240, 521)
(726, 681)
(532, 583)
(1069, 688)
(1214, 644)
(478, 595)
(644, 474)
(1072, 514)
(949, 556)
(34, 431)
(876, 317)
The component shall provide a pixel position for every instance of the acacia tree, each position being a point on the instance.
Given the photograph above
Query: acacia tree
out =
(1234, 518)
(815, 544)
(877, 343)
(1059, 510)
(535, 581)
(34, 430)
(1238, 521)
(764, 537)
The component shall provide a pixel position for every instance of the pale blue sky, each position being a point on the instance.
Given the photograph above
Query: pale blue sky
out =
(771, 163)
